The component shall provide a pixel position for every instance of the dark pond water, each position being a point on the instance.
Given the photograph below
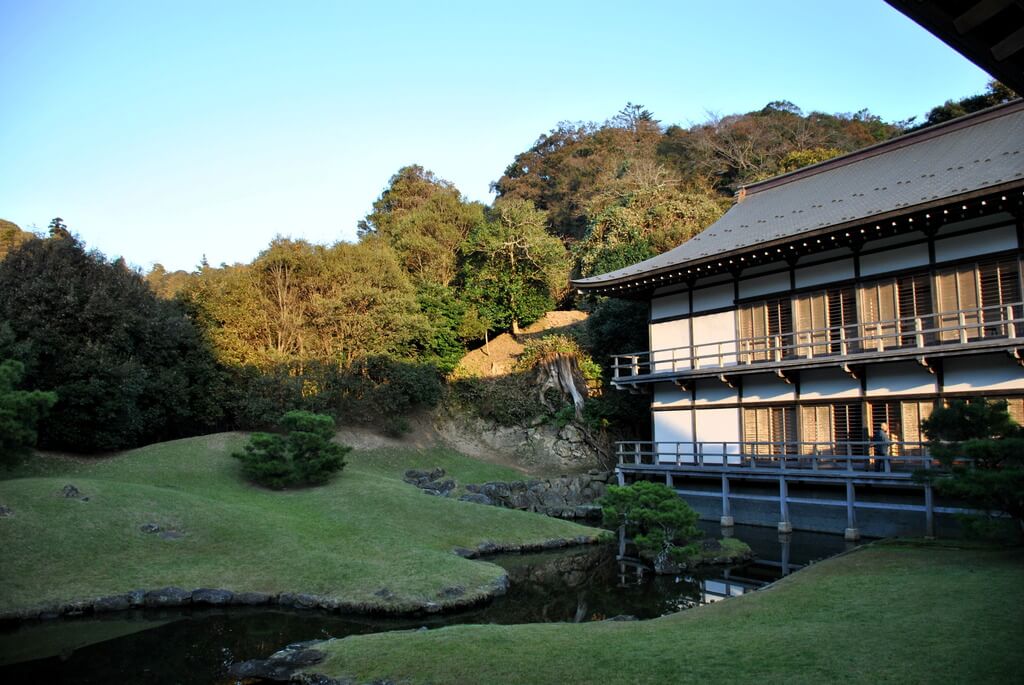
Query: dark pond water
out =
(197, 645)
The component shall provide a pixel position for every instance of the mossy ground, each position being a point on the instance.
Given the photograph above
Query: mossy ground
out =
(363, 532)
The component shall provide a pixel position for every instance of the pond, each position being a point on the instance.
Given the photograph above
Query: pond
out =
(197, 645)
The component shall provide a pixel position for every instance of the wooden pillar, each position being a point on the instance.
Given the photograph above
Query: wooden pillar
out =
(622, 541)
(851, 533)
(929, 512)
(620, 477)
(785, 541)
(668, 479)
(727, 519)
(785, 525)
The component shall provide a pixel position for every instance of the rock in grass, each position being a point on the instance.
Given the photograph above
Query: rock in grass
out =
(452, 592)
(212, 596)
(70, 491)
(5, 511)
(279, 667)
(167, 597)
(150, 528)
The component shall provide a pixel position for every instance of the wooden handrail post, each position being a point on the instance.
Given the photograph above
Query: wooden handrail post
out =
(1011, 327)
(962, 321)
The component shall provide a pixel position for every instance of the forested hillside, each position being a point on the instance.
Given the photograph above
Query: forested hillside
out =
(369, 329)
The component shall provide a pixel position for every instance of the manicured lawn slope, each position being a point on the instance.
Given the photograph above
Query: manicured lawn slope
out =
(891, 613)
(364, 532)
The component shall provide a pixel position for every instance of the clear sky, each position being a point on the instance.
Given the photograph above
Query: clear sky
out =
(165, 130)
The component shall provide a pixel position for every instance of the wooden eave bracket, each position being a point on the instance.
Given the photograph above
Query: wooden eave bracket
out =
(786, 376)
(730, 381)
(1017, 356)
(854, 371)
(928, 363)
(684, 384)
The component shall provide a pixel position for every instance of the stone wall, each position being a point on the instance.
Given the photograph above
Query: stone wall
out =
(571, 497)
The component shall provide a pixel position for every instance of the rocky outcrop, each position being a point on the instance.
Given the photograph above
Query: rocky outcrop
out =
(540, 446)
(280, 666)
(570, 497)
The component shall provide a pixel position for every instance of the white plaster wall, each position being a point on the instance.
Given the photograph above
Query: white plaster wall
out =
(764, 285)
(677, 304)
(982, 373)
(902, 378)
(715, 297)
(714, 339)
(978, 243)
(824, 273)
(894, 259)
(672, 427)
(669, 395)
(670, 342)
(715, 392)
(767, 388)
(825, 384)
(719, 425)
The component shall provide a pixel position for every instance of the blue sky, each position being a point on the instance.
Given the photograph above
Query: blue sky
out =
(162, 131)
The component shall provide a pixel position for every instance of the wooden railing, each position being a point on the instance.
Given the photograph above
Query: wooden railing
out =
(962, 327)
(867, 456)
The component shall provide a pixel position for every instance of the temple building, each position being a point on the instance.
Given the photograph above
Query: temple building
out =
(796, 345)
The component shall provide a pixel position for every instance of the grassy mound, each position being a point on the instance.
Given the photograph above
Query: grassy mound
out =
(888, 613)
(366, 537)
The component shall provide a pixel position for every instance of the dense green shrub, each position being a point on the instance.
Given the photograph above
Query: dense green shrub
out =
(20, 410)
(507, 400)
(305, 456)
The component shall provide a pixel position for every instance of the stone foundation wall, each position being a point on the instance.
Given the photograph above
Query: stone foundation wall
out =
(571, 497)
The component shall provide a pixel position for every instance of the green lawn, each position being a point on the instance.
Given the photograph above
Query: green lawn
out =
(364, 532)
(890, 613)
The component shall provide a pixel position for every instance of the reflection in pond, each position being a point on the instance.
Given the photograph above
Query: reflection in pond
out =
(196, 645)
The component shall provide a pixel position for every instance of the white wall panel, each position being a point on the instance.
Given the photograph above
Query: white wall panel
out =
(714, 339)
(670, 342)
(718, 426)
(671, 427)
(982, 373)
(973, 244)
(715, 297)
(765, 285)
(824, 273)
(894, 259)
(715, 392)
(677, 304)
(669, 395)
(767, 388)
(899, 379)
(826, 384)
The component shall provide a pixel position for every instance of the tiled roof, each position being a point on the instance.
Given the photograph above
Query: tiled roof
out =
(979, 151)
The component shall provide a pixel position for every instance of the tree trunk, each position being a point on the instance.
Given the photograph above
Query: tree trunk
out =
(560, 372)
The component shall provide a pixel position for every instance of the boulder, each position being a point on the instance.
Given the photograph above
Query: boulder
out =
(150, 528)
(167, 597)
(477, 498)
(112, 603)
(70, 491)
(5, 511)
(212, 596)
(280, 667)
